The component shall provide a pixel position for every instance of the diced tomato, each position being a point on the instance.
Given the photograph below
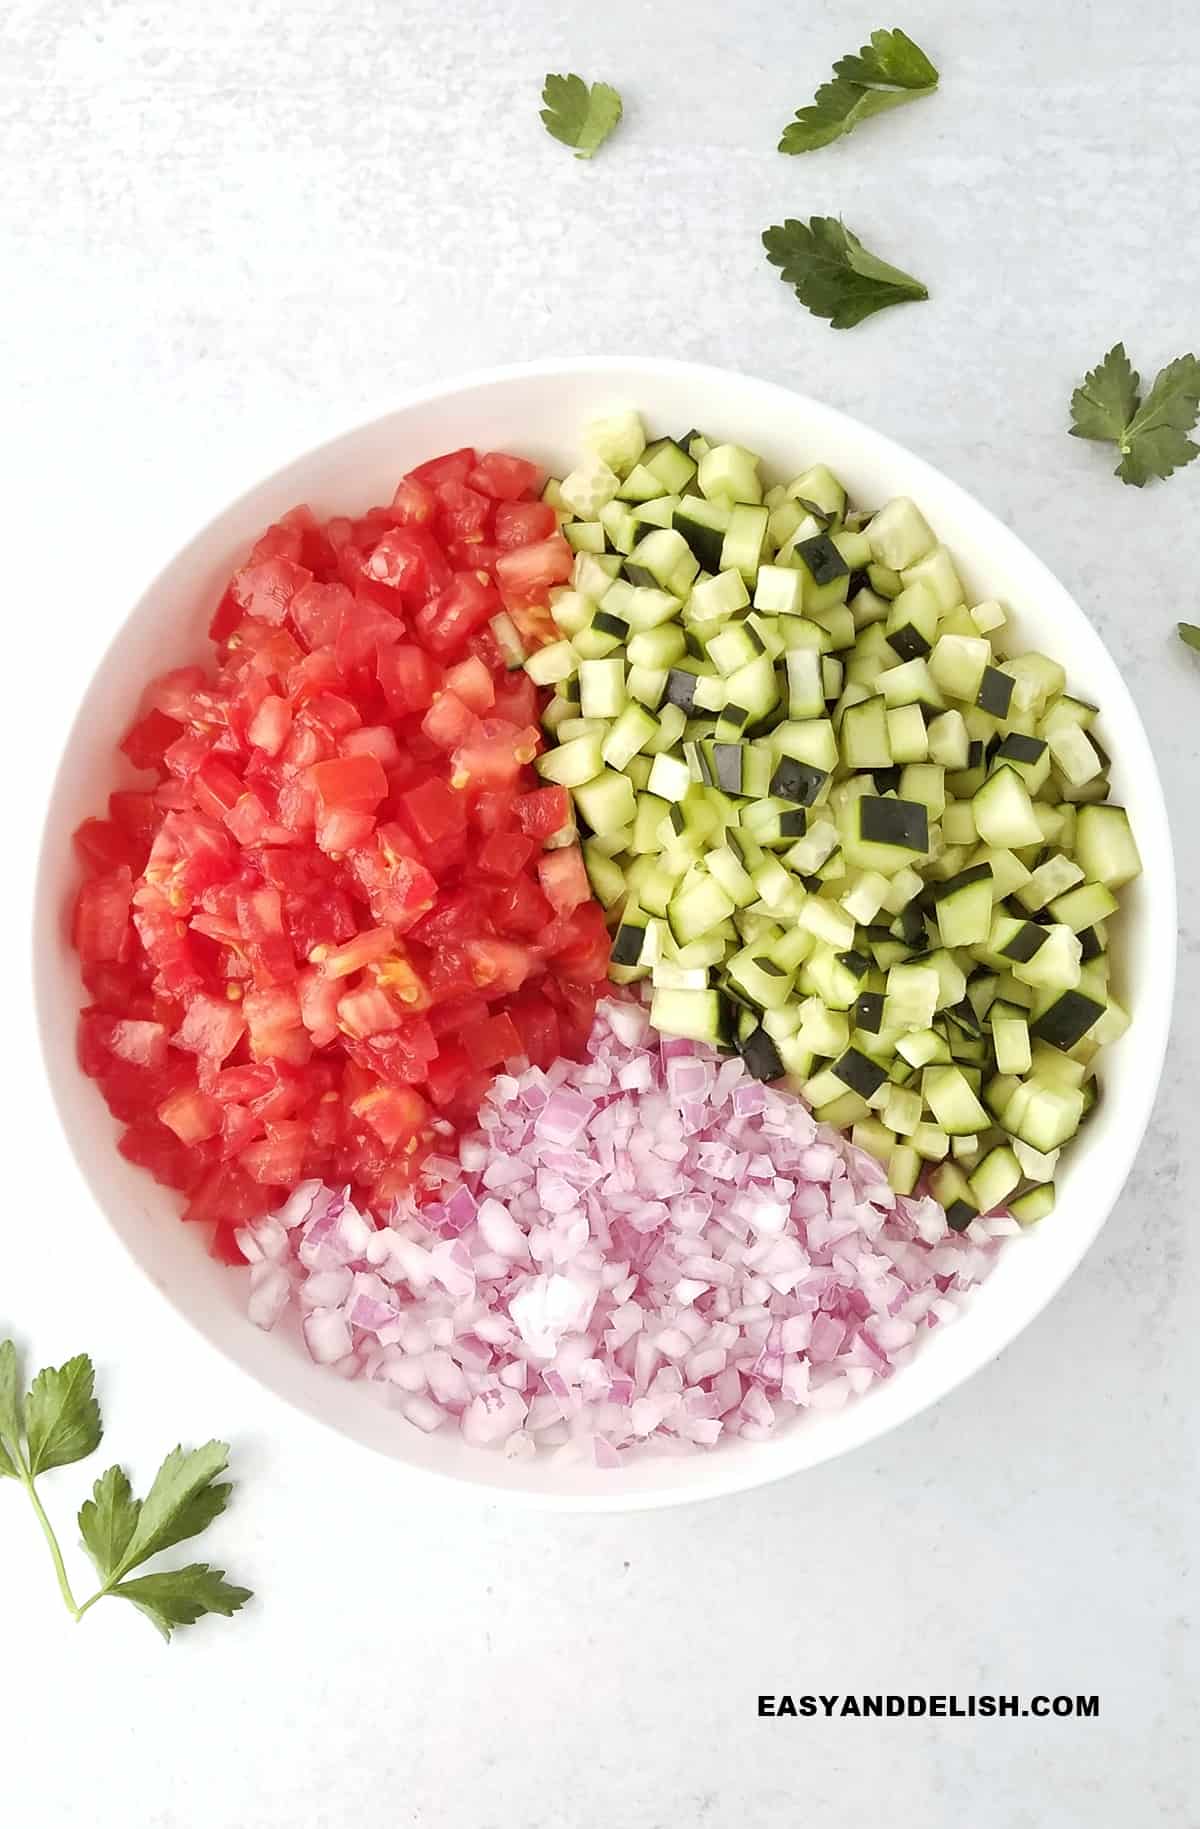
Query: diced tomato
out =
(365, 627)
(172, 692)
(468, 601)
(265, 590)
(536, 1022)
(136, 814)
(225, 1194)
(343, 830)
(332, 913)
(264, 939)
(271, 723)
(377, 740)
(193, 1116)
(236, 1085)
(368, 1011)
(458, 1014)
(454, 467)
(564, 879)
(212, 1027)
(408, 561)
(277, 1159)
(499, 966)
(434, 812)
(471, 682)
(399, 888)
(462, 513)
(492, 1042)
(276, 1029)
(519, 909)
(413, 503)
(584, 953)
(448, 722)
(505, 855)
(216, 788)
(523, 523)
(495, 756)
(516, 699)
(447, 1073)
(101, 928)
(316, 613)
(409, 678)
(364, 949)
(528, 572)
(145, 742)
(544, 812)
(152, 1146)
(354, 784)
(224, 1247)
(225, 618)
(507, 478)
(105, 846)
(396, 1114)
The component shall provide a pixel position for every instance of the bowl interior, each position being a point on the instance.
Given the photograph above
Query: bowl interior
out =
(538, 412)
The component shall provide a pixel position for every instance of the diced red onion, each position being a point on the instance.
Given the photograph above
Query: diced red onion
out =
(647, 1244)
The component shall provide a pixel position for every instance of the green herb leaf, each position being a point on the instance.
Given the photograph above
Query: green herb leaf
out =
(1190, 634)
(10, 1411)
(581, 115)
(179, 1597)
(1107, 401)
(1152, 436)
(888, 72)
(1156, 441)
(891, 58)
(181, 1502)
(108, 1520)
(833, 274)
(62, 1417)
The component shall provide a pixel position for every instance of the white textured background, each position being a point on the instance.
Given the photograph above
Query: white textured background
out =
(228, 227)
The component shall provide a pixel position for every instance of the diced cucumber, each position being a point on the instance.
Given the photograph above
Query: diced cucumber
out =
(729, 474)
(1037, 1204)
(1105, 846)
(899, 534)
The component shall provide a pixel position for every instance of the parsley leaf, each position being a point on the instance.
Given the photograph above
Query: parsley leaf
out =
(108, 1520)
(10, 1412)
(1156, 439)
(833, 274)
(891, 58)
(886, 73)
(59, 1422)
(179, 1597)
(182, 1500)
(1151, 434)
(62, 1417)
(1189, 634)
(1107, 401)
(581, 115)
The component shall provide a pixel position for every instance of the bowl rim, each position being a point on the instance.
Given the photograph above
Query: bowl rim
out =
(721, 1478)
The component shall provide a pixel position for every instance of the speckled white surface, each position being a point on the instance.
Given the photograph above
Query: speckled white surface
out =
(227, 229)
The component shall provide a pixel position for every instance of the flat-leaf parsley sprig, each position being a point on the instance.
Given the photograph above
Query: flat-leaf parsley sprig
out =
(581, 115)
(1150, 434)
(886, 74)
(833, 274)
(57, 1422)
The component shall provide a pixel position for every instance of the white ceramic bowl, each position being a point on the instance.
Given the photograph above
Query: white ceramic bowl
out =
(538, 411)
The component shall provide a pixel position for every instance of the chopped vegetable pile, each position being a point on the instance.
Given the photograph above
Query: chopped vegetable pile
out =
(648, 1246)
(837, 821)
(340, 899)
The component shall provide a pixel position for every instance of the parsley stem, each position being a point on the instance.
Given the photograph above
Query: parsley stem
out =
(64, 1585)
